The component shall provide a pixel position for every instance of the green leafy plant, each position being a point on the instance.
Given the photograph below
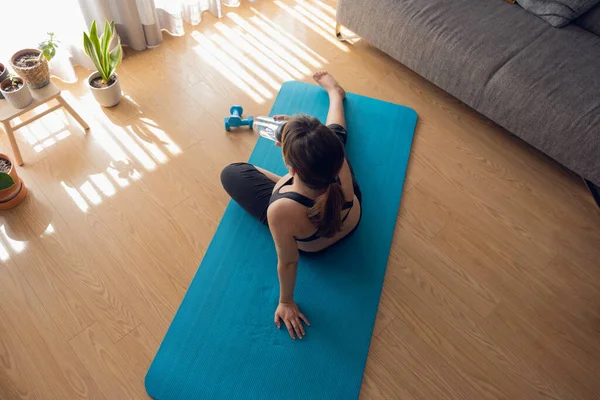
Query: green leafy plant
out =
(97, 49)
(49, 46)
(15, 81)
(6, 181)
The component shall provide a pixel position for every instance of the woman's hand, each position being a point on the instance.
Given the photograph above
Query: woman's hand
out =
(282, 117)
(292, 317)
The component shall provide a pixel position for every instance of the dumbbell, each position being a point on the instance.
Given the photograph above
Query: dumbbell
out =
(235, 119)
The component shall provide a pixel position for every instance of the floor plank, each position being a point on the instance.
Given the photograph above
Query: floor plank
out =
(138, 349)
(103, 360)
(44, 342)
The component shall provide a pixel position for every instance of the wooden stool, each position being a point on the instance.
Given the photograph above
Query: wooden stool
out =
(40, 96)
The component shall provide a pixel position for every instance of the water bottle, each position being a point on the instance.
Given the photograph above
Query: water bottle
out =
(268, 127)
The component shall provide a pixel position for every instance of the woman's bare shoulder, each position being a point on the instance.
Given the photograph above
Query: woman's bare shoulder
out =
(287, 212)
(282, 182)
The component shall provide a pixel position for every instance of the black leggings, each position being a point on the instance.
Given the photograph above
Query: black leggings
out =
(252, 189)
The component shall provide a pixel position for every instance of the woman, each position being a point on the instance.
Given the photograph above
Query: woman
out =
(311, 208)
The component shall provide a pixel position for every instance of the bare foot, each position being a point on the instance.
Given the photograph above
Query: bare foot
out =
(329, 83)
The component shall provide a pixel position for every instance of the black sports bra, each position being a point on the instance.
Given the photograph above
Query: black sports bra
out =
(306, 202)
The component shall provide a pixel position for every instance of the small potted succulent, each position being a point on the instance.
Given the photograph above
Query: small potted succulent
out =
(16, 92)
(32, 64)
(104, 83)
(3, 76)
(12, 188)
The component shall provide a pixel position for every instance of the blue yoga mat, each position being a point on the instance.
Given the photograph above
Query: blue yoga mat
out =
(223, 344)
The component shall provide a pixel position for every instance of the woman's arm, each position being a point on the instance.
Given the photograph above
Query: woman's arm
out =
(287, 249)
(287, 268)
(269, 174)
(287, 281)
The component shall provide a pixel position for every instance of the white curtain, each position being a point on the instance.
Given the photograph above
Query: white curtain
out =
(172, 13)
(139, 23)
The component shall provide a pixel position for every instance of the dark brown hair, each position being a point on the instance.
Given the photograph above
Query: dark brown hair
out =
(317, 155)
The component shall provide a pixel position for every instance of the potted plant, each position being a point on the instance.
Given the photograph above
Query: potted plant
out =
(3, 76)
(16, 92)
(49, 46)
(32, 64)
(12, 189)
(104, 83)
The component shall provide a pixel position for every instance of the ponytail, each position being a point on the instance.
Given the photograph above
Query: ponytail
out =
(325, 213)
(317, 155)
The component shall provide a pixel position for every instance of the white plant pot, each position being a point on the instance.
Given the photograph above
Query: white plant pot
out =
(106, 97)
(19, 99)
(3, 76)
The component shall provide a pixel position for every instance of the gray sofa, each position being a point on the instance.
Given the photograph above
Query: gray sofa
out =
(539, 82)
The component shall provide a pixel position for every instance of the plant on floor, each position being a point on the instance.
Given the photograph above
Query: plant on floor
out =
(12, 189)
(6, 181)
(97, 49)
(104, 83)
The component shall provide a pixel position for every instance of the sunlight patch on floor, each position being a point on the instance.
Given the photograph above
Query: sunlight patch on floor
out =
(161, 136)
(245, 56)
(328, 25)
(326, 7)
(278, 58)
(228, 68)
(286, 39)
(126, 142)
(277, 51)
(304, 17)
(48, 142)
(142, 140)
(238, 66)
(267, 59)
(90, 193)
(76, 196)
(102, 183)
(63, 135)
(150, 148)
(327, 20)
(108, 144)
(4, 256)
(15, 245)
(120, 171)
(49, 231)
(45, 132)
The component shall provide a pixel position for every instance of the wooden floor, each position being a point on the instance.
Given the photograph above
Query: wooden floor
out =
(493, 284)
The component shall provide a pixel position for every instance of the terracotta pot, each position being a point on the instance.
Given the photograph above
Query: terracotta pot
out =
(3, 76)
(19, 99)
(106, 97)
(14, 195)
(36, 76)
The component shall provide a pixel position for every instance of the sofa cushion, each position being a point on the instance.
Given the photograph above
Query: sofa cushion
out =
(549, 95)
(456, 44)
(557, 12)
(590, 21)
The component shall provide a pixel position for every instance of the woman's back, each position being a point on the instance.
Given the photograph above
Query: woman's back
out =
(295, 201)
